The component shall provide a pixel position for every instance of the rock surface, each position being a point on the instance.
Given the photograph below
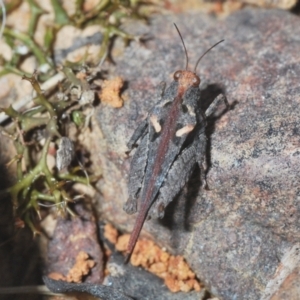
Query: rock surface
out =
(235, 234)
(140, 284)
(76, 235)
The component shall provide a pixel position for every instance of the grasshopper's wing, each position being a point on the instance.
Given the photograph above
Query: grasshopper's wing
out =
(183, 166)
(138, 133)
(143, 126)
(139, 162)
(173, 150)
(136, 175)
(179, 175)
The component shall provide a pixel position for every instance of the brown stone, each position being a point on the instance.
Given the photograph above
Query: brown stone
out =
(74, 241)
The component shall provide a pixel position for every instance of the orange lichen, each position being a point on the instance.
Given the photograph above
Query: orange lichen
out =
(173, 269)
(82, 267)
(122, 242)
(110, 92)
(179, 268)
(110, 233)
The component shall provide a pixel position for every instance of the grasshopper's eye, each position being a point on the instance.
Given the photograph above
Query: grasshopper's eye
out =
(196, 81)
(177, 75)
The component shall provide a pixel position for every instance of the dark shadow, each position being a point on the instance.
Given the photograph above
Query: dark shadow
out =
(296, 9)
(178, 211)
(193, 189)
(109, 57)
(19, 254)
(168, 220)
(209, 94)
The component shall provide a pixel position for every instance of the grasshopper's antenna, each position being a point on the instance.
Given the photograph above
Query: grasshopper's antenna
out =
(205, 53)
(186, 54)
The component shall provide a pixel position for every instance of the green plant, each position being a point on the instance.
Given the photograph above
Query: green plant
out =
(110, 14)
(42, 128)
(33, 132)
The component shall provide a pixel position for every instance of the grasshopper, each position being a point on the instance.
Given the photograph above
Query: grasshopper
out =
(172, 142)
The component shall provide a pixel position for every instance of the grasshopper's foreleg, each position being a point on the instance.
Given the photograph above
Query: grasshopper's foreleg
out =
(214, 104)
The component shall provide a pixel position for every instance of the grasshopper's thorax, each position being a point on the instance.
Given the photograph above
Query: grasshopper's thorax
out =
(186, 79)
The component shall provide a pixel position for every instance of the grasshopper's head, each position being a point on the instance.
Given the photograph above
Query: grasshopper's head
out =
(186, 79)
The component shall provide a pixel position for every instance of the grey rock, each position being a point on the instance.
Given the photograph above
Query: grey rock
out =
(142, 285)
(235, 234)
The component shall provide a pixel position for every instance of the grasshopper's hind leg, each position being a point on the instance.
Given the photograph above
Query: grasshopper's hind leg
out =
(136, 176)
(178, 175)
(201, 155)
